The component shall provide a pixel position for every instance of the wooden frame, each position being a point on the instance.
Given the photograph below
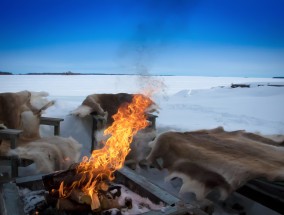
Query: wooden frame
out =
(13, 135)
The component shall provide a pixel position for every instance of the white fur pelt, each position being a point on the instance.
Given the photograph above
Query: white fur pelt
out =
(50, 154)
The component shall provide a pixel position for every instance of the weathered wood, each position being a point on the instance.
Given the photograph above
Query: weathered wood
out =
(97, 123)
(69, 205)
(11, 203)
(107, 203)
(152, 119)
(269, 194)
(53, 180)
(53, 122)
(95, 202)
(80, 197)
(144, 187)
(12, 135)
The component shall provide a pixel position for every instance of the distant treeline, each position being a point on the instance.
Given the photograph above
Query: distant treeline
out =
(71, 73)
(53, 73)
(5, 73)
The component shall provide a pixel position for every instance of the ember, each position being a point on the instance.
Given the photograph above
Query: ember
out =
(92, 174)
(117, 200)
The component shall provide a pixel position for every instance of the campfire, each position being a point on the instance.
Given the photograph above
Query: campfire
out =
(99, 184)
(89, 185)
(92, 175)
(129, 193)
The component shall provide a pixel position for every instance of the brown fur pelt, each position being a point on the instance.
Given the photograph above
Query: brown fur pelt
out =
(216, 159)
(106, 105)
(22, 110)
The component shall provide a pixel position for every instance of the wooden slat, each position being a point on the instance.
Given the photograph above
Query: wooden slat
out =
(9, 133)
(266, 193)
(53, 122)
(50, 121)
(11, 202)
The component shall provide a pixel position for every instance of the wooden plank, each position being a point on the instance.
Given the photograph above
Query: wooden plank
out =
(152, 119)
(53, 122)
(266, 193)
(9, 133)
(50, 121)
(11, 202)
(144, 187)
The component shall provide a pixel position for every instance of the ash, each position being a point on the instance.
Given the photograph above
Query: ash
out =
(32, 199)
(139, 204)
(130, 203)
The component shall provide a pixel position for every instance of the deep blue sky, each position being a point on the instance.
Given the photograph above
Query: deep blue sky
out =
(178, 37)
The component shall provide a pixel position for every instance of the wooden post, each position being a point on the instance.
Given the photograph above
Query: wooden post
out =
(12, 135)
(53, 122)
(97, 123)
(152, 119)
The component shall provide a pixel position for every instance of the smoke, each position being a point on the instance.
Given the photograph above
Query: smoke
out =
(163, 22)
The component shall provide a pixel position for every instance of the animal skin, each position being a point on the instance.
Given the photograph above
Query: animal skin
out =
(106, 105)
(50, 153)
(22, 110)
(217, 159)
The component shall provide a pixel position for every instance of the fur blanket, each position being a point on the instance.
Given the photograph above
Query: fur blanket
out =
(208, 160)
(49, 154)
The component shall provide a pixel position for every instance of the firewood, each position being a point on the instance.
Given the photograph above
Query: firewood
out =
(80, 197)
(108, 203)
(50, 200)
(53, 181)
(83, 198)
(95, 203)
(69, 205)
(103, 186)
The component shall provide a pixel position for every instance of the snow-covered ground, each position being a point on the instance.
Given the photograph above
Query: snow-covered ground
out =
(186, 103)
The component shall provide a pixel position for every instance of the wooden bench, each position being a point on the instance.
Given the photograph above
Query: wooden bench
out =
(55, 122)
(13, 135)
(269, 194)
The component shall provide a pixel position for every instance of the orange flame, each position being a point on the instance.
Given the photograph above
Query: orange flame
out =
(129, 119)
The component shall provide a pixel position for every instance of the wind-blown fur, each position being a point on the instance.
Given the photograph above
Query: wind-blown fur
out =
(106, 105)
(216, 159)
(50, 154)
(22, 110)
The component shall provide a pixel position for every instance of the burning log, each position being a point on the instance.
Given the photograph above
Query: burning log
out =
(53, 181)
(69, 205)
(106, 198)
(86, 184)
(80, 197)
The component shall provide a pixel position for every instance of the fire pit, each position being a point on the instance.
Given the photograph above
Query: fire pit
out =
(95, 185)
(11, 203)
